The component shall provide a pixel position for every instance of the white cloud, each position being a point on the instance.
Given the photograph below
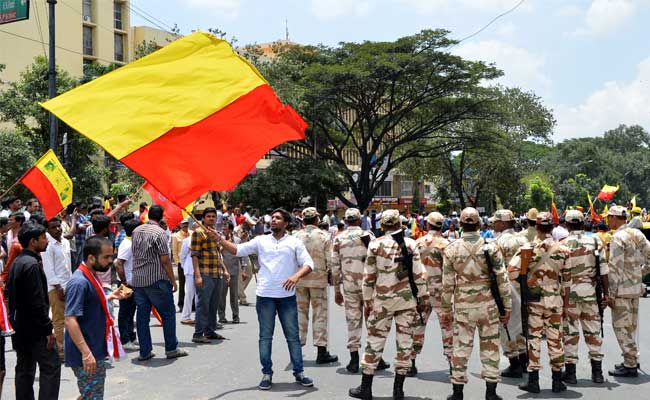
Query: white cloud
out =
(614, 104)
(336, 8)
(606, 16)
(229, 8)
(521, 67)
(569, 10)
(506, 30)
(433, 6)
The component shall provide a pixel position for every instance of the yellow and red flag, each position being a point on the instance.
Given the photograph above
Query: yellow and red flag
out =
(554, 213)
(194, 116)
(173, 214)
(607, 192)
(594, 217)
(49, 183)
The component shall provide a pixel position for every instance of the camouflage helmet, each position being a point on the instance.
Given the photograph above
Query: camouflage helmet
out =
(435, 219)
(504, 216)
(617, 211)
(574, 216)
(544, 218)
(390, 217)
(310, 212)
(532, 214)
(469, 216)
(352, 214)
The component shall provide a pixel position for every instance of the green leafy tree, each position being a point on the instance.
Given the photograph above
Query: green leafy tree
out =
(17, 157)
(539, 193)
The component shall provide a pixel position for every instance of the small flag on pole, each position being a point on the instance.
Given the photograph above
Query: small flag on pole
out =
(49, 183)
(173, 214)
(607, 192)
(556, 217)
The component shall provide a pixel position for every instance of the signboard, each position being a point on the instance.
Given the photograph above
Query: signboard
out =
(13, 11)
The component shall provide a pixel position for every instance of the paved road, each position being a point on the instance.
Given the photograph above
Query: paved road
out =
(231, 370)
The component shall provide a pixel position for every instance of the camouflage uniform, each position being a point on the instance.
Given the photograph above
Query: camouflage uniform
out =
(431, 249)
(312, 288)
(348, 260)
(244, 235)
(548, 276)
(583, 307)
(466, 279)
(390, 298)
(508, 242)
(628, 251)
(530, 233)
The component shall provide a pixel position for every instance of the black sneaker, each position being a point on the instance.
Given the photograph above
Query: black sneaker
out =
(302, 380)
(235, 320)
(214, 336)
(223, 320)
(266, 382)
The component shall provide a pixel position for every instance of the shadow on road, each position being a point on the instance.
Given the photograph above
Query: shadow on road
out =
(548, 394)
(299, 391)
(434, 376)
(641, 380)
(153, 363)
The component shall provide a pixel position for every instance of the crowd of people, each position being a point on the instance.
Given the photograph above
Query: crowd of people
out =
(517, 280)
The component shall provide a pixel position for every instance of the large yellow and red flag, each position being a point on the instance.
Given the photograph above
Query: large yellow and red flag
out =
(607, 192)
(49, 183)
(554, 213)
(194, 116)
(594, 216)
(173, 214)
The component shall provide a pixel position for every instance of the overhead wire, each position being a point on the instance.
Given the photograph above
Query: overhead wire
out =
(150, 20)
(493, 20)
(38, 27)
(141, 10)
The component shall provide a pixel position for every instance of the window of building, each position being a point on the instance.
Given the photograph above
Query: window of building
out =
(407, 188)
(118, 15)
(87, 10)
(386, 189)
(88, 41)
(119, 47)
(427, 189)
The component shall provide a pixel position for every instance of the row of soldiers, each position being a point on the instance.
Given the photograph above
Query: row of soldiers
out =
(472, 285)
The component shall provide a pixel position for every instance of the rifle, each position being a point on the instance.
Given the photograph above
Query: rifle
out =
(494, 289)
(599, 289)
(525, 254)
(407, 260)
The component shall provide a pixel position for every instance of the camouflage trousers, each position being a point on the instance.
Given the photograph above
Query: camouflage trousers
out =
(419, 330)
(485, 318)
(317, 299)
(543, 321)
(625, 316)
(353, 303)
(586, 314)
(379, 324)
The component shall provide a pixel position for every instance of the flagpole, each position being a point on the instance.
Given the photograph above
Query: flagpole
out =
(10, 189)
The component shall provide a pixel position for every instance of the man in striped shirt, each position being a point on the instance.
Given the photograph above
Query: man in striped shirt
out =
(154, 284)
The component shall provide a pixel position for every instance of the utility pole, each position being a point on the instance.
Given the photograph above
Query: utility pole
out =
(51, 74)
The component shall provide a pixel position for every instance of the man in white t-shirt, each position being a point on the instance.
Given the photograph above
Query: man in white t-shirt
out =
(124, 266)
(283, 260)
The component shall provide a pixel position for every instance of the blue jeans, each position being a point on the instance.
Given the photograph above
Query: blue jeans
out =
(206, 308)
(287, 310)
(125, 320)
(158, 295)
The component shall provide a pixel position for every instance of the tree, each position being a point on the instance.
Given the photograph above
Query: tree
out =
(386, 102)
(539, 193)
(17, 157)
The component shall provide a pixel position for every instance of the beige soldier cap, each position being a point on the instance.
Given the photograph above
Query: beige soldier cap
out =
(310, 212)
(574, 216)
(435, 219)
(390, 217)
(470, 216)
(352, 214)
(504, 215)
(544, 218)
(617, 211)
(532, 214)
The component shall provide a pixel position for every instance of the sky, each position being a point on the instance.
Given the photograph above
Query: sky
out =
(589, 60)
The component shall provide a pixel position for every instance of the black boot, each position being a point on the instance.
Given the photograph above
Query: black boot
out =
(569, 375)
(624, 372)
(413, 371)
(515, 369)
(533, 382)
(365, 390)
(353, 365)
(622, 365)
(491, 391)
(558, 385)
(457, 394)
(449, 362)
(597, 371)
(523, 360)
(398, 387)
(324, 357)
(382, 365)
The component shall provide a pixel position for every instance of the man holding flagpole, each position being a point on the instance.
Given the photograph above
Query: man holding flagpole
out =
(90, 332)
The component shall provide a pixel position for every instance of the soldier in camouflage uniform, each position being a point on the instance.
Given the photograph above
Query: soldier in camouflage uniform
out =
(508, 242)
(244, 234)
(348, 259)
(431, 248)
(387, 295)
(549, 280)
(583, 307)
(311, 290)
(628, 251)
(530, 233)
(466, 280)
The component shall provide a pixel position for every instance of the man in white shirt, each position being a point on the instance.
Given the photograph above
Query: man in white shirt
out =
(10, 205)
(283, 261)
(124, 267)
(57, 268)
